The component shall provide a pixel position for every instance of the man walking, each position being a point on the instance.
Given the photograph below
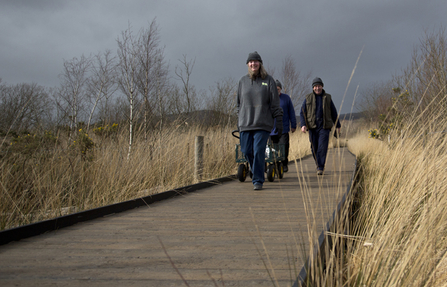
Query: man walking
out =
(318, 115)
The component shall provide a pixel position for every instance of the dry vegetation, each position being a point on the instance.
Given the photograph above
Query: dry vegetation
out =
(393, 232)
(395, 236)
(400, 225)
(41, 184)
(44, 184)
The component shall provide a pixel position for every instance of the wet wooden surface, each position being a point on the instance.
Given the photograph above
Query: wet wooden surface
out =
(226, 235)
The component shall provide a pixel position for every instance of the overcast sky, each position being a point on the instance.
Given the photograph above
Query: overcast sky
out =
(323, 37)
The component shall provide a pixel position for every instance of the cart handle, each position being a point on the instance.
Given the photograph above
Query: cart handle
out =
(233, 133)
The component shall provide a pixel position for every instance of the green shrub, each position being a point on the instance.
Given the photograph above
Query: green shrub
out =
(373, 133)
(29, 144)
(83, 144)
(106, 131)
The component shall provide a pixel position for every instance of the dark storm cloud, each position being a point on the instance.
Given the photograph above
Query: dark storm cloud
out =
(44, 5)
(323, 37)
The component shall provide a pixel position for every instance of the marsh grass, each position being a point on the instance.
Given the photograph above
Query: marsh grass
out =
(320, 201)
(43, 179)
(393, 234)
(394, 231)
(403, 211)
(62, 178)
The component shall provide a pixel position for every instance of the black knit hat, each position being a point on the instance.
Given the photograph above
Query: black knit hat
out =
(254, 57)
(278, 84)
(317, 81)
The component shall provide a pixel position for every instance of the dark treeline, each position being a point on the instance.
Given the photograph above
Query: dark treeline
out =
(417, 93)
(131, 87)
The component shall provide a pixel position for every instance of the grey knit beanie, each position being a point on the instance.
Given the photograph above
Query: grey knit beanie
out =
(254, 56)
(317, 81)
(278, 84)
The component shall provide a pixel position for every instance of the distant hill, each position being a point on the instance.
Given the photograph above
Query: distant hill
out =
(343, 117)
(203, 117)
(351, 116)
(210, 118)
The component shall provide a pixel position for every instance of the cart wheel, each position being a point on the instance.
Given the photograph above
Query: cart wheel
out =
(271, 172)
(241, 172)
(280, 170)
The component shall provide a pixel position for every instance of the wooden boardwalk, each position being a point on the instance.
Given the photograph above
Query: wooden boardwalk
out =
(226, 235)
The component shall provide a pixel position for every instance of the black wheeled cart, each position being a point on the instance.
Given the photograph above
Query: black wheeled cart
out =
(274, 155)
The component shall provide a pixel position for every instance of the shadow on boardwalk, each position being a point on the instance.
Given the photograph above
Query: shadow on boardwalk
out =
(225, 235)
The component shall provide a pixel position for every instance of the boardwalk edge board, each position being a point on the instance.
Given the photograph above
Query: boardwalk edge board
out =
(33, 229)
(323, 240)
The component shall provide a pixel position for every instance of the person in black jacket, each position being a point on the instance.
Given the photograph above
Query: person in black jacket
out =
(318, 115)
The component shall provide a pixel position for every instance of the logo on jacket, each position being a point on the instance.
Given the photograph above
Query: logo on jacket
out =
(264, 84)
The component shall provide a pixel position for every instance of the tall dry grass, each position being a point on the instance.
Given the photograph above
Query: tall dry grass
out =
(400, 229)
(398, 237)
(46, 184)
(59, 179)
(393, 232)
(299, 145)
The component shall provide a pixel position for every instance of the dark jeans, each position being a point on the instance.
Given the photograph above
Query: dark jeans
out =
(319, 141)
(253, 145)
(283, 139)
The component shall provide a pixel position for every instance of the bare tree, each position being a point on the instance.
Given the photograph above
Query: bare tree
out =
(223, 101)
(101, 84)
(375, 100)
(175, 101)
(293, 83)
(151, 68)
(128, 68)
(270, 70)
(72, 92)
(162, 87)
(24, 107)
(118, 110)
(188, 90)
(425, 78)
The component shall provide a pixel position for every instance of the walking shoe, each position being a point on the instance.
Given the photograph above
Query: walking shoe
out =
(285, 168)
(257, 187)
(319, 172)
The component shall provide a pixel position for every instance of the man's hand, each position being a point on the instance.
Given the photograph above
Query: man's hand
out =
(304, 129)
(293, 130)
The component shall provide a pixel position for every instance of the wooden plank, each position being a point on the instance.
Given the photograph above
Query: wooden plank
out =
(228, 233)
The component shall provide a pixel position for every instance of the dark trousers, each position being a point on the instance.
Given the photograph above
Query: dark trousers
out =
(319, 141)
(283, 139)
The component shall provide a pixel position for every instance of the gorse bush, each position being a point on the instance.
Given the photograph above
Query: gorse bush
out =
(83, 143)
(373, 133)
(401, 109)
(30, 144)
(106, 131)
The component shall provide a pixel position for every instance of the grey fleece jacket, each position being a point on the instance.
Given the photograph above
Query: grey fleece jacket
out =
(258, 104)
